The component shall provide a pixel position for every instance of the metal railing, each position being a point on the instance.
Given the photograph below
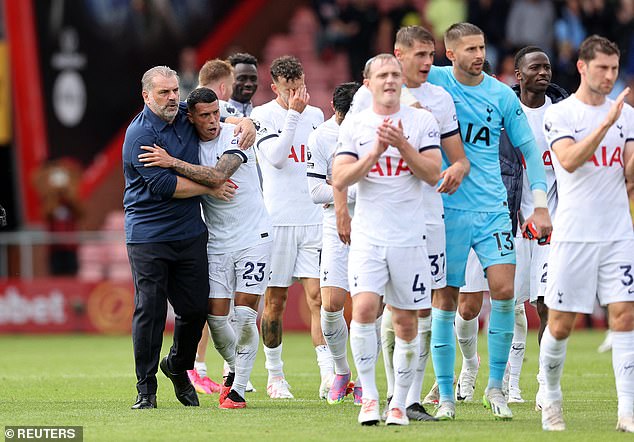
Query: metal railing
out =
(26, 240)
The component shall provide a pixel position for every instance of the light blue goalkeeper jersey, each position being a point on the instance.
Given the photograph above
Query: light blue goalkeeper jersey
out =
(483, 111)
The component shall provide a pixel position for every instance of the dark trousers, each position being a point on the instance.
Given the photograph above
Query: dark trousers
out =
(176, 271)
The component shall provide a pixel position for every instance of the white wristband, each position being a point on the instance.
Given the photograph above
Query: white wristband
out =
(540, 201)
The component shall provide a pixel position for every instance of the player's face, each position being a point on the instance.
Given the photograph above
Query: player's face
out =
(468, 54)
(246, 82)
(534, 72)
(416, 62)
(601, 73)
(163, 98)
(206, 120)
(385, 82)
(283, 87)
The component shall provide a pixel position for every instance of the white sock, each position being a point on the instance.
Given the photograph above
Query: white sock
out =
(405, 363)
(324, 360)
(467, 334)
(273, 362)
(518, 347)
(363, 345)
(247, 346)
(552, 354)
(224, 339)
(335, 330)
(201, 368)
(377, 328)
(231, 317)
(623, 365)
(387, 345)
(424, 336)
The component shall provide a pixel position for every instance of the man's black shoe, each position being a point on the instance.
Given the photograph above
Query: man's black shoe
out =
(144, 401)
(183, 388)
(417, 412)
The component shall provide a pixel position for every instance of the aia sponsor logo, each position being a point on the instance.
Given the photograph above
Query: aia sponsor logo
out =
(298, 155)
(604, 157)
(388, 166)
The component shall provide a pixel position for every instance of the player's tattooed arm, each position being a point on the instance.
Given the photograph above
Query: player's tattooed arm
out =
(156, 156)
(209, 176)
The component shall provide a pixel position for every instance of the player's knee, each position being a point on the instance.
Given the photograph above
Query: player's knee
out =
(364, 313)
(560, 329)
(444, 301)
(503, 291)
(333, 303)
(275, 306)
(405, 326)
(314, 301)
(469, 308)
(622, 320)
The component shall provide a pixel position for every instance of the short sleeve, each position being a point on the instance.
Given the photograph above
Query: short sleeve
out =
(317, 164)
(449, 121)
(628, 112)
(429, 134)
(362, 100)
(345, 143)
(556, 125)
(266, 129)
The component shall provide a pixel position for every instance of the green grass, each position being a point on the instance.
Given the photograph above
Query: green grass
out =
(89, 381)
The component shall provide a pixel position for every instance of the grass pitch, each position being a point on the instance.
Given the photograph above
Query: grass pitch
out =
(89, 381)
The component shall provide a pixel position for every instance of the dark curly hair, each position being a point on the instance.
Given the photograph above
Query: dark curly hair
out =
(242, 57)
(523, 53)
(342, 96)
(200, 95)
(287, 67)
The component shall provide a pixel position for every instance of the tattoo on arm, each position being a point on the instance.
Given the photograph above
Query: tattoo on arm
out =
(209, 176)
(228, 164)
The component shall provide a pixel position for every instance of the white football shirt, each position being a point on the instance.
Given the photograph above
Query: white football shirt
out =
(438, 101)
(535, 118)
(593, 204)
(228, 110)
(322, 144)
(389, 202)
(243, 221)
(285, 189)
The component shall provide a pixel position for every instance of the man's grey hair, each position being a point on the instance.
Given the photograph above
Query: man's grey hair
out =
(147, 82)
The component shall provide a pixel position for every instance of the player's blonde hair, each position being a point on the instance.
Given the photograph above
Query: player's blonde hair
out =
(214, 70)
(383, 58)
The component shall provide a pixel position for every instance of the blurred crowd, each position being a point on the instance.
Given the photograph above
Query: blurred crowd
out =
(361, 28)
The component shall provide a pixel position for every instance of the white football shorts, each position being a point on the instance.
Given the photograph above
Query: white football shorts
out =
(437, 257)
(580, 272)
(296, 251)
(245, 271)
(333, 269)
(401, 273)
